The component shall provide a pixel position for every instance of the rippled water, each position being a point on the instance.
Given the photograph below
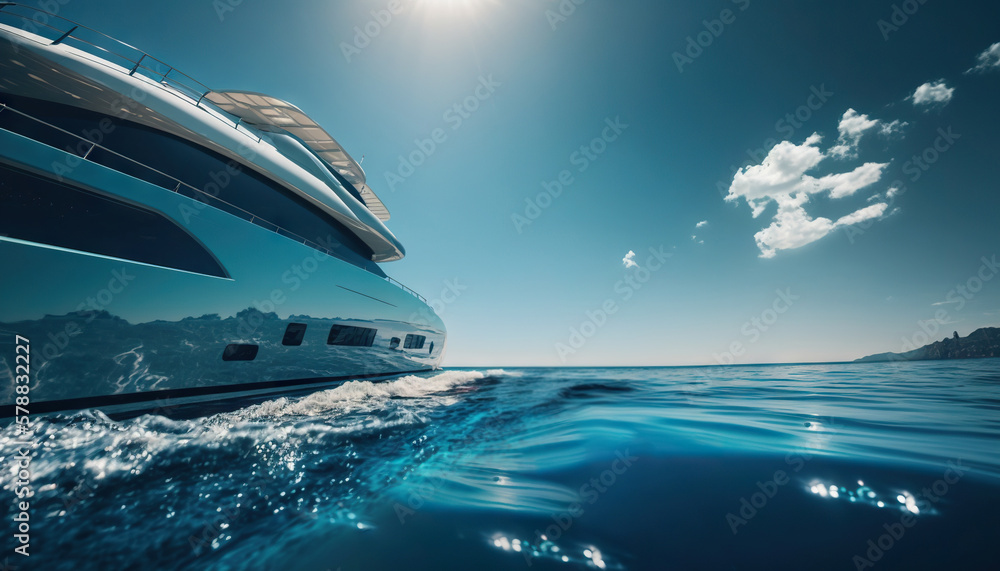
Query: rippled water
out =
(858, 466)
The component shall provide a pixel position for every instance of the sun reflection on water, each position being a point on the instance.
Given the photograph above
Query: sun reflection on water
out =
(548, 549)
(863, 494)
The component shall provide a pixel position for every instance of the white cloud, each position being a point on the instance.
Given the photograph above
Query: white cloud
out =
(852, 126)
(793, 227)
(782, 174)
(866, 213)
(629, 260)
(989, 59)
(887, 129)
(781, 178)
(701, 224)
(847, 183)
(931, 93)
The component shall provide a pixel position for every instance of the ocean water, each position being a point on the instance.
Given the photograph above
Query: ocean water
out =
(847, 466)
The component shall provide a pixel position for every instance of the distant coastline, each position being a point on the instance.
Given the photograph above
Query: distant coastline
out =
(979, 344)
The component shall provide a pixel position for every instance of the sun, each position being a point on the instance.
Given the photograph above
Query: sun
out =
(468, 11)
(466, 5)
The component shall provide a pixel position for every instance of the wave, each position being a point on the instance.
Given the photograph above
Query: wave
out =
(91, 445)
(343, 397)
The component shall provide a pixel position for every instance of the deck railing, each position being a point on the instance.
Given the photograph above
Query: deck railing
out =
(84, 148)
(118, 55)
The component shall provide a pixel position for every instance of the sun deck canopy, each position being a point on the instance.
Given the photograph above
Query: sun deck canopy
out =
(264, 110)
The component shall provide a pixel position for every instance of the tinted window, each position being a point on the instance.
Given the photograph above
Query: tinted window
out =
(237, 352)
(414, 342)
(351, 336)
(42, 210)
(294, 334)
(197, 166)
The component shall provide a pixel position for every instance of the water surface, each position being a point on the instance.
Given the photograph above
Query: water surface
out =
(848, 466)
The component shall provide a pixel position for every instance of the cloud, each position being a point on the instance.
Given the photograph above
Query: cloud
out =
(932, 93)
(781, 178)
(866, 213)
(887, 129)
(782, 174)
(988, 60)
(629, 260)
(793, 227)
(852, 126)
(701, 224)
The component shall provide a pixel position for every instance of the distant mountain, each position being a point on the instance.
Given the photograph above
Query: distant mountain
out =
(979, 344)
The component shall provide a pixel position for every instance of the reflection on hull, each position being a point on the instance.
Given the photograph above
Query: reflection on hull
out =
(95, 359)
(159, 250)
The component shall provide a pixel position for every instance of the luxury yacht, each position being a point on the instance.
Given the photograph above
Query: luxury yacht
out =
(164, 244)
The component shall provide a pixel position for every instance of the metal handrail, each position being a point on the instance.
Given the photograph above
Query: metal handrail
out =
(198, 88)
(249, 216)
(181, 90)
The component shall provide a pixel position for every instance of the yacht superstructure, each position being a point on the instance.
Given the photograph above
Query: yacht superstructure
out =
(164, 243)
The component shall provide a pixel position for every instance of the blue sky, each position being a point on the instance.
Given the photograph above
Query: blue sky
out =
(645, 109)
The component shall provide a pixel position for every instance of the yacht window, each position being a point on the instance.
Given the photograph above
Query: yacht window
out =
(350, 336)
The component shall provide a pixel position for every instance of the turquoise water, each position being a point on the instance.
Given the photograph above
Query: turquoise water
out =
(849, 466)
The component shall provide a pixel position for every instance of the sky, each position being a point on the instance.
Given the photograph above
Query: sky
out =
(647, 182)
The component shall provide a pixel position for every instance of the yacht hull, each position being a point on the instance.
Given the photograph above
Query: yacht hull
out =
(126, 336)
